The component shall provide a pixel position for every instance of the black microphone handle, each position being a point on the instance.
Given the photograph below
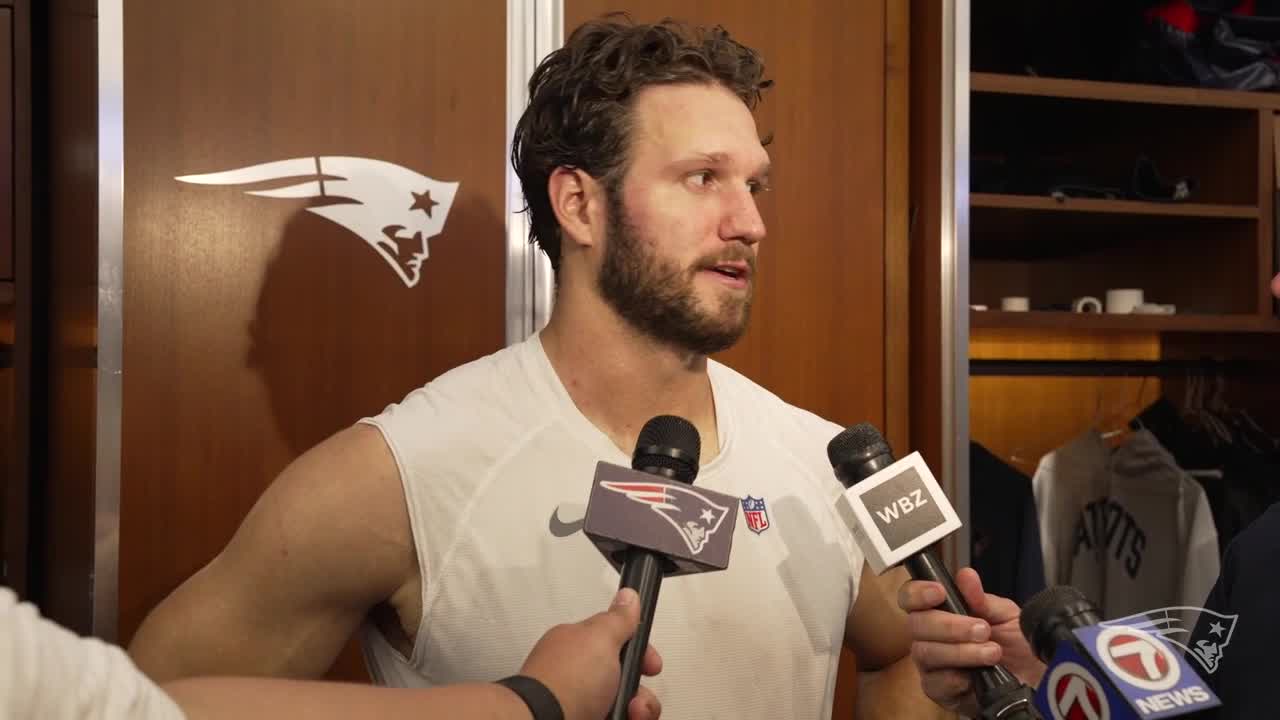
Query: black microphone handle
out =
(925, 565)
(642, 572)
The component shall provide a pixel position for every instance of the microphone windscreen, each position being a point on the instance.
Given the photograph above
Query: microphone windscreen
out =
(1049, 616)
(669, 442)
(858, 443)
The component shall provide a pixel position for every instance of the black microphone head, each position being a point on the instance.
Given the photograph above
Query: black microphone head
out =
(1050, 615)
(858, 452)
(670, 446)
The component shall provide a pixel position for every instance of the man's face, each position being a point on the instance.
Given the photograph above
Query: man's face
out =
(680, 253)
(1275, 286)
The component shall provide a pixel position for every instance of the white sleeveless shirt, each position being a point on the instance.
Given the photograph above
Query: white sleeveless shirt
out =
(48, 672)
(497, 462)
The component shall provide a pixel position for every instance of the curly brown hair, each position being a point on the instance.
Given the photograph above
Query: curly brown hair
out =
(579, 112)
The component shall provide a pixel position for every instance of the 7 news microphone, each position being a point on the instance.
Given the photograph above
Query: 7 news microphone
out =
(1109, 670)
(897, 511)
(649, 523)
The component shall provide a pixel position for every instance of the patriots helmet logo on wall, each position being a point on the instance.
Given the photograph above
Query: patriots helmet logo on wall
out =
(393, 209)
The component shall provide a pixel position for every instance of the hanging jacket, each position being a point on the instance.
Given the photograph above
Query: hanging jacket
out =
(1005, 532)
(1126, 526)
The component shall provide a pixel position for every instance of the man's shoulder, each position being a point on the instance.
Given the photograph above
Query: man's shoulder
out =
(481, 403)
(485, 373)
(498, 378)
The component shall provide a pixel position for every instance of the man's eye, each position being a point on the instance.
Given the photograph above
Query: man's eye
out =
(703, 178)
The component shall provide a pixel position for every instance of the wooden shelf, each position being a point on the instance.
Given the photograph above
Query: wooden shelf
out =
(1131, 323)
(1120, 92)
(1116, 207)
(1041, 367)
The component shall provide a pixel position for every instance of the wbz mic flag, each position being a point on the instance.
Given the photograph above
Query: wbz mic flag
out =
(897, 512)
(1127, 673)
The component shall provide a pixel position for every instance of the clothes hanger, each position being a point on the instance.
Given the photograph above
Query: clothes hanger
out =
(1245, 429)
(1191, 405)
(1114, 426)
(1211, 405)
(1017, 460)
(1220, 409)
(1260, 440)
(1188, 394)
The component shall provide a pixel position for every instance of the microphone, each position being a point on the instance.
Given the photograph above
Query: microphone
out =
(896, 511)
(649, 522)
(1106, 670)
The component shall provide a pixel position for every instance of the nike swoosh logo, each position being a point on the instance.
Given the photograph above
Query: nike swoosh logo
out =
(560, 528)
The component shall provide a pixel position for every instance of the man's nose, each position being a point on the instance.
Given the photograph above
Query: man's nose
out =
(742, 221)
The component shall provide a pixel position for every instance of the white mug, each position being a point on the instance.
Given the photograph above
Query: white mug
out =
(1015, 304)
(1087, 304)
(1123, 300)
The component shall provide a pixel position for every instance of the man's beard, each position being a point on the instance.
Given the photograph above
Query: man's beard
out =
(659, 299)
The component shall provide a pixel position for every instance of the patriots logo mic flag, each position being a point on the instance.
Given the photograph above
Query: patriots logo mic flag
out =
(691, 525)
(1202, 634)
(690, 512)
(393, 209)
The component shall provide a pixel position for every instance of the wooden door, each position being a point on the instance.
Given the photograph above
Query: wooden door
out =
(821, 328)
(256, 325)
(15, 231)
(64, 501)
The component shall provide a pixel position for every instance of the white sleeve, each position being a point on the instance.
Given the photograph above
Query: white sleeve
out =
(1044, 487)
(48, 672)
(1202, 551)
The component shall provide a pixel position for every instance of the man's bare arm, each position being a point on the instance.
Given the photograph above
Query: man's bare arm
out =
(877, 632)
(260, 698)
(328, 540)
(578, 663)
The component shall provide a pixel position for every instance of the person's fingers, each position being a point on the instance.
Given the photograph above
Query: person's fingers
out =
(652, 664)
(1001, 610)
(947, 627)
(932, 656)
(620, 620)
(993, 608)
(970, 587)
(947, 687)
(644, 706)
(917, 595)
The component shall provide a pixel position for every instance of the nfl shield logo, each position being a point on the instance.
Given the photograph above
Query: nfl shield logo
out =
(756, 514)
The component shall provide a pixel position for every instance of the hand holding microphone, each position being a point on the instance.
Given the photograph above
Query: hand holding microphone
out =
(896, 512)
(578, 663)
(947, 647)
(649, 523)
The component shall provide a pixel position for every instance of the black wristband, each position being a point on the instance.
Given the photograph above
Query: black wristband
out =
(541, 702)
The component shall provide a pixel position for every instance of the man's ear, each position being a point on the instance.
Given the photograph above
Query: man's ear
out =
(578, 202)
